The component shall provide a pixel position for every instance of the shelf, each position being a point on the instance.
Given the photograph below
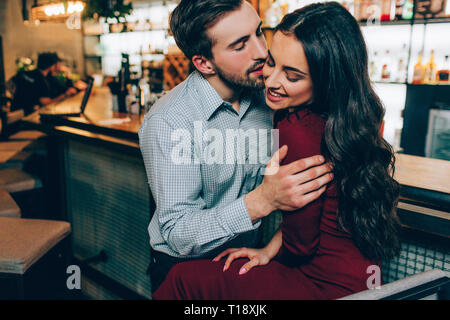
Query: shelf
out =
(394, 23)
(93, 56)
(428, 21)
(389, 82)
(411, 84)
(387, 23)
(135, 31)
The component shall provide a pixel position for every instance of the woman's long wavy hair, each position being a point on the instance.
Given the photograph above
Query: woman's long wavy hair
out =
(363, 161)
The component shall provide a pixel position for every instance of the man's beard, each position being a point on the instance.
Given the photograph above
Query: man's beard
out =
(238, 82)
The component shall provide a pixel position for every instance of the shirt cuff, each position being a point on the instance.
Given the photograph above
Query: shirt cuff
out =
(239, 219)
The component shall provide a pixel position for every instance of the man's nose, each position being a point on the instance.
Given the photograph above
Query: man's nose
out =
(260, 49)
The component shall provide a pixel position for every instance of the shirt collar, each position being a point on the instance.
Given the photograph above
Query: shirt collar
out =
(210, 100)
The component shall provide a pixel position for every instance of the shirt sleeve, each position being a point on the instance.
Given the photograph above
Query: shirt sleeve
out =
(186, 224)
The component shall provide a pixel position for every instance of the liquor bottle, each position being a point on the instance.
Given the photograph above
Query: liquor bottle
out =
(273, 15)
(399, 9)
(430, 70)
(386, 68)
(419, 71)
(387, 10)
(357, 10)
(402, 68)
(373, 67)
(408, 10)
(364, 10)
(443, 74)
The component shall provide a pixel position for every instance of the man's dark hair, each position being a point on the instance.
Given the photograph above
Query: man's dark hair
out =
(190, 20)
(46, 60)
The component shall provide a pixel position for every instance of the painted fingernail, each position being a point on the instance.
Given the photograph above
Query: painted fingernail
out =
(242, 271)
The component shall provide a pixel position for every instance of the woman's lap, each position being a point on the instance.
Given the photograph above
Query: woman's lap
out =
(205, 280)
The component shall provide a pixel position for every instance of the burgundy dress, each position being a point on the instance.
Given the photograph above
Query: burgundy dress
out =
(316, 260)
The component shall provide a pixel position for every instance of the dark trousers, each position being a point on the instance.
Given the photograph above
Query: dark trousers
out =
(160, 266)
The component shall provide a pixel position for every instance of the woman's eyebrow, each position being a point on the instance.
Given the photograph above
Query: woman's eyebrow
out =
(288, 68)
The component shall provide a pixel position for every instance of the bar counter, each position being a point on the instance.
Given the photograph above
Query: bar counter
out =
(100, 185)
(97, 180)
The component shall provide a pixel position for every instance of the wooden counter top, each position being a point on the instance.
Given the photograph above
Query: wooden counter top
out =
(424, 173)
(98, 117)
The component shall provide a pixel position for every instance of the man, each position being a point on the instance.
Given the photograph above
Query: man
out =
(60, 79)
(203, 206)
(32, 88)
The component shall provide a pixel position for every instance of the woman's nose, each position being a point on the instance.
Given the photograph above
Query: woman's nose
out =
(271, 79)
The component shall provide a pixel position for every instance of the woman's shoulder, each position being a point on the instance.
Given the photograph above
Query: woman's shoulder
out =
(302, 132)
(303, 121)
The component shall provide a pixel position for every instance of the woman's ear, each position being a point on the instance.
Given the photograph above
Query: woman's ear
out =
(203, 65)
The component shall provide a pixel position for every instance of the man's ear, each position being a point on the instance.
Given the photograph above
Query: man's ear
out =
(203, 65)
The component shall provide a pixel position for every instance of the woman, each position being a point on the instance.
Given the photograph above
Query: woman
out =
(316, 79)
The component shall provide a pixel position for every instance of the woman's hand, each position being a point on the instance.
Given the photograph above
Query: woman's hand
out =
(258, 257)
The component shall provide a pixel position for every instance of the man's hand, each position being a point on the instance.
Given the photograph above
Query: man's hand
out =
(71, 92)
(288, 187)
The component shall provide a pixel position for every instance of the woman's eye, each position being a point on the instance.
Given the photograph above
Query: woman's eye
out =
(293, 79)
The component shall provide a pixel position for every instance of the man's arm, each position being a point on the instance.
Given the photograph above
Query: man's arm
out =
(192, 229)
(47, 100)
(185, 223)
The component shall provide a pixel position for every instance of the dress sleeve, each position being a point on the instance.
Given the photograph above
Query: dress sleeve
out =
(301, 228)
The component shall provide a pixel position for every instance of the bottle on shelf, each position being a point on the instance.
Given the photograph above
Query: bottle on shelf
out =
(144, 92)
(399, 9)
(419, 71)
(364, 10)
(443, 74)
(430, 70)
(357, 10)
(387, 10)
(408, 10)
(373, 67)
(273, 15)
(131, 99)
(386, 67)
(402, 68)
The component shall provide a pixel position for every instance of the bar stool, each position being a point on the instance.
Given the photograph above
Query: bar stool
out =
(26, 190)
(33, 258)
(26, 135)
(38, 144)
(12, 154)
(8, 207)
(15, 180)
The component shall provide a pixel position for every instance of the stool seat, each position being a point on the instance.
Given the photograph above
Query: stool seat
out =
(25, 241)
(12, 159)
(14, 145)
(27, 135)
(16, 180)
(8, 207)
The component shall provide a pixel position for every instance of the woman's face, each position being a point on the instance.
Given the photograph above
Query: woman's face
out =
(286, 73)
